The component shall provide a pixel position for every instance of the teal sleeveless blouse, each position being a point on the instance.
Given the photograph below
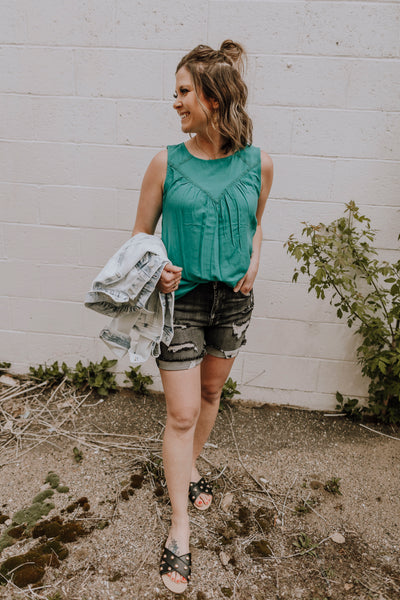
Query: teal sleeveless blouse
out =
(209, 215)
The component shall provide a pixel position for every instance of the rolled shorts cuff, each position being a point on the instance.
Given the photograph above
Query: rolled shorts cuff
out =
(222, 353)
(178, 365)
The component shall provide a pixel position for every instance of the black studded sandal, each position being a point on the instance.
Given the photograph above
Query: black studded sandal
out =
(195, 489)
(180, 564)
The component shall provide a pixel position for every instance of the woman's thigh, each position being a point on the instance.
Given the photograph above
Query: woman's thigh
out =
(214, 373)
(182, 391)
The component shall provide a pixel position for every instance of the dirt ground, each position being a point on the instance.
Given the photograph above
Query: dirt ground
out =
(306, 506)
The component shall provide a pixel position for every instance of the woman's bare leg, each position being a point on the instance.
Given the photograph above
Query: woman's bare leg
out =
(183, 397)
(214, 372)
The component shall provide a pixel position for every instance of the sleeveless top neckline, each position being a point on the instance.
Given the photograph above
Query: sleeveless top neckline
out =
(207, 159)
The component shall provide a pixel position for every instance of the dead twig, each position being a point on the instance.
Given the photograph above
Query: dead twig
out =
(235, 584)
(245, 468)
(7, 395)
(282, 512)
(313, 547)
(379, 432)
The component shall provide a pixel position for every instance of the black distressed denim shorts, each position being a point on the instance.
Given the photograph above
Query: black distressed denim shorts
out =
(211, 319)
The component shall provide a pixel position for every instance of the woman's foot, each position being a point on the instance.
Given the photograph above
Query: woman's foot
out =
(203, 501)
(178, 543)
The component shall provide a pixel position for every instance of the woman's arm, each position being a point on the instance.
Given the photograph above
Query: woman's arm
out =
(267, 170)
(149, 211)
(151, 193)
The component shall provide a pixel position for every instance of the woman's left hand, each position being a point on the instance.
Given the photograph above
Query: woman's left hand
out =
(245, 285)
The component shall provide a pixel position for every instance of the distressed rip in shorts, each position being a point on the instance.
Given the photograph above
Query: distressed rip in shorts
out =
(211, 319)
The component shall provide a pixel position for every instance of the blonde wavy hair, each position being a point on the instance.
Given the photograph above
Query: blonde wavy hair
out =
(218, 74)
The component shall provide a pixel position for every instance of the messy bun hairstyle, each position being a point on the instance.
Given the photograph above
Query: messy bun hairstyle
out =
(218, 74)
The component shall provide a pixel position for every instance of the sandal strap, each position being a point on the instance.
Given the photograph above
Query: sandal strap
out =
(181, 564)
(201, 487)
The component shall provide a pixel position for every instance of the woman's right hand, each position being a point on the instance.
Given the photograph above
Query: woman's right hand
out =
(170, 278)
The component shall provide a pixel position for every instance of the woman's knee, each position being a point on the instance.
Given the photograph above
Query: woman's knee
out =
(183, 420)
(210, 393)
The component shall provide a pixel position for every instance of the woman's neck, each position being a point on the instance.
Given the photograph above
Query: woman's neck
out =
(209, 147)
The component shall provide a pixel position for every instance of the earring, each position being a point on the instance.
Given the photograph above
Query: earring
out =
(214, 119)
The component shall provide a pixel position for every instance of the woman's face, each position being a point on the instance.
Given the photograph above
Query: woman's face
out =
(193, 108)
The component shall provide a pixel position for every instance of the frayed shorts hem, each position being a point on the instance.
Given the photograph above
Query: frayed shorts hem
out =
(178, 365)
(183, 365)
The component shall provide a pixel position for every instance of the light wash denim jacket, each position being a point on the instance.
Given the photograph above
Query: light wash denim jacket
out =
(126, 290)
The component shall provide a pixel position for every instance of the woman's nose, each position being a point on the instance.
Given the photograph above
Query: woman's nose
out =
(177, 103)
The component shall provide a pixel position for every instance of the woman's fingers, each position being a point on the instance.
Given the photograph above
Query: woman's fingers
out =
(172, 268)
(169, 279)
(239, 284)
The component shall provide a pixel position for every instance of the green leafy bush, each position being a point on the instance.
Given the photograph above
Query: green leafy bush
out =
(333, 486)
(339, 257)
(229, 389)
(4, 366)
(96, 376)
(52, 374)
(305, 545)
(138, 381)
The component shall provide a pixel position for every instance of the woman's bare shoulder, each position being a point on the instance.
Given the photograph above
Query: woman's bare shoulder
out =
(267, 167)
(266, 161)
(160, 160)
(157, 169)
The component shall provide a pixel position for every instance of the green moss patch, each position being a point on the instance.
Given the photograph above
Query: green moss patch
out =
(41, 496)
(29, 568)
(53, 479)
(32, 514)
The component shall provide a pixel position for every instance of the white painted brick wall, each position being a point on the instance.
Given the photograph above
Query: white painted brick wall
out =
(85, 103)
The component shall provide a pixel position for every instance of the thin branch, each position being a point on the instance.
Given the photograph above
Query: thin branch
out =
(245, 468)
(314, 546)
(379, 433)
(282, 512)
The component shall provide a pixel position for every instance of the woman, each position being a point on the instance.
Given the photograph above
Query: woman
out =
(212, 192)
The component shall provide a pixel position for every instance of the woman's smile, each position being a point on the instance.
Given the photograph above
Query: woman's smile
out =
(192, 107)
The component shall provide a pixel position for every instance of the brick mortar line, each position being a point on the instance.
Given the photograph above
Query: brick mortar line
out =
(163, 51)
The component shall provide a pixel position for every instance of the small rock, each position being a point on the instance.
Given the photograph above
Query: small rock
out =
(81, 554)
(226, 501)
(224, 558)
(338, 538)
(316, 485)
(7, 380)
(348, 586)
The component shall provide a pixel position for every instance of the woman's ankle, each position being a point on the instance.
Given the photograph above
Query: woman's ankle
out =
(194, 473)
(181, 522)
